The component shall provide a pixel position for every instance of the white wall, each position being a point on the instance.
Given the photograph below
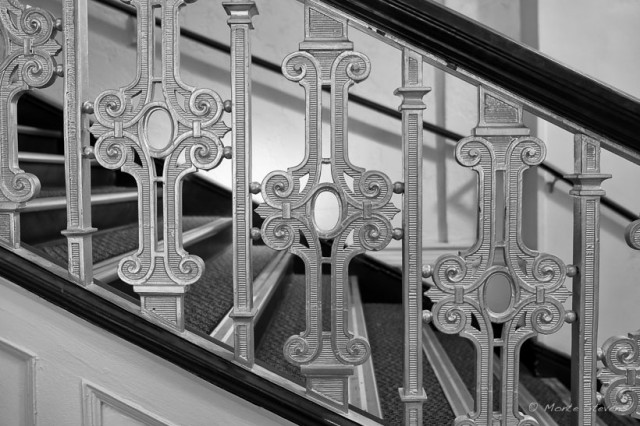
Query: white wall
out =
(58, 370)
(600, 39)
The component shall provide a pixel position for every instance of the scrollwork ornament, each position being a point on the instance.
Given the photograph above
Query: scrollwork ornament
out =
(376, 186)
(364, 214)
(205, 152)
(536, 280)
(619, 376)
(278, 233)
(298, 66)
(194, 129)
(134, 270)
(452, 318)
(298, 351)
(450, 270)
(354, 350)
(353, 65)
(278, 187)
(29, 62)
(372, 234)
(472, 150)
(548, 317)
(632, 235)
(111, 105)
(113, 153)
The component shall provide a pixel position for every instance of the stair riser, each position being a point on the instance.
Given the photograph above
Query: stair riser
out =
(42, 144)
(53, 175)
(41, 226)
(204, 249)
(270, 309)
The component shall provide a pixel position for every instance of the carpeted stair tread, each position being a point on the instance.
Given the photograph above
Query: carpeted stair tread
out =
(113, 242)
(62, 192)
(462, 354)
(553, 404)
(290, 319)
(209, 300)
(385, 326)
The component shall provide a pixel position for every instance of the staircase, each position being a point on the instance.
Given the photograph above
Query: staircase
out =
(449, 373)
(248, 300)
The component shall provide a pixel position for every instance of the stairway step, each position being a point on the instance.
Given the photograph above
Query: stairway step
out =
(532, 390)
(195, 229)
(528, 403)
(45, 217)
(385, 323)
(461, 400)
(264, 287)
(459, 397)
(452, 384)
(363, 388)
(43, 158)
(565, 400)
(290, 319)
(50, 170)
(552, 393)
(208, 300)
(113, 243)
(462, 355)
(37, 139)
(287, 320)
(55, 198)
(37, 131)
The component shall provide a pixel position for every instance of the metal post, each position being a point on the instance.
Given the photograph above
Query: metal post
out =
(240, 14)
(412, 92)
(586, 255)
(76, 136)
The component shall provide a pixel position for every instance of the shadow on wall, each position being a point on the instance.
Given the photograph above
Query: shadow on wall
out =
(619, 266)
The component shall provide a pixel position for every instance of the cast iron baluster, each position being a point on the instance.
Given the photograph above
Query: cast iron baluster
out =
(620, 391)
(412, 92)
(161, 273)
(27, 63)
(501, 145)
(76, 136)
(240, 14)
(326, 58)
(620, 355)
(586, 255)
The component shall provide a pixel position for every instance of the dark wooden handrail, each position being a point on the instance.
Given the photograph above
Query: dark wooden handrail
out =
(465, 43)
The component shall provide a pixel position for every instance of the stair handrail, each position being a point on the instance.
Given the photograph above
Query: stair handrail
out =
(480, 55)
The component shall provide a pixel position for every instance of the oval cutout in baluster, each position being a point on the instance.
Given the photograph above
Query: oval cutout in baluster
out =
(158, 129)
(326, 211)
(499, 295)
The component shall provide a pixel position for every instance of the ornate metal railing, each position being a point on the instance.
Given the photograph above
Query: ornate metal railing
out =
(499, 151)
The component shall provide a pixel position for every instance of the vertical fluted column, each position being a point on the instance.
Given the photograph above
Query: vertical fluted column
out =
(586, 256)
(76, 136)
(240, 14)
(412, 92)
